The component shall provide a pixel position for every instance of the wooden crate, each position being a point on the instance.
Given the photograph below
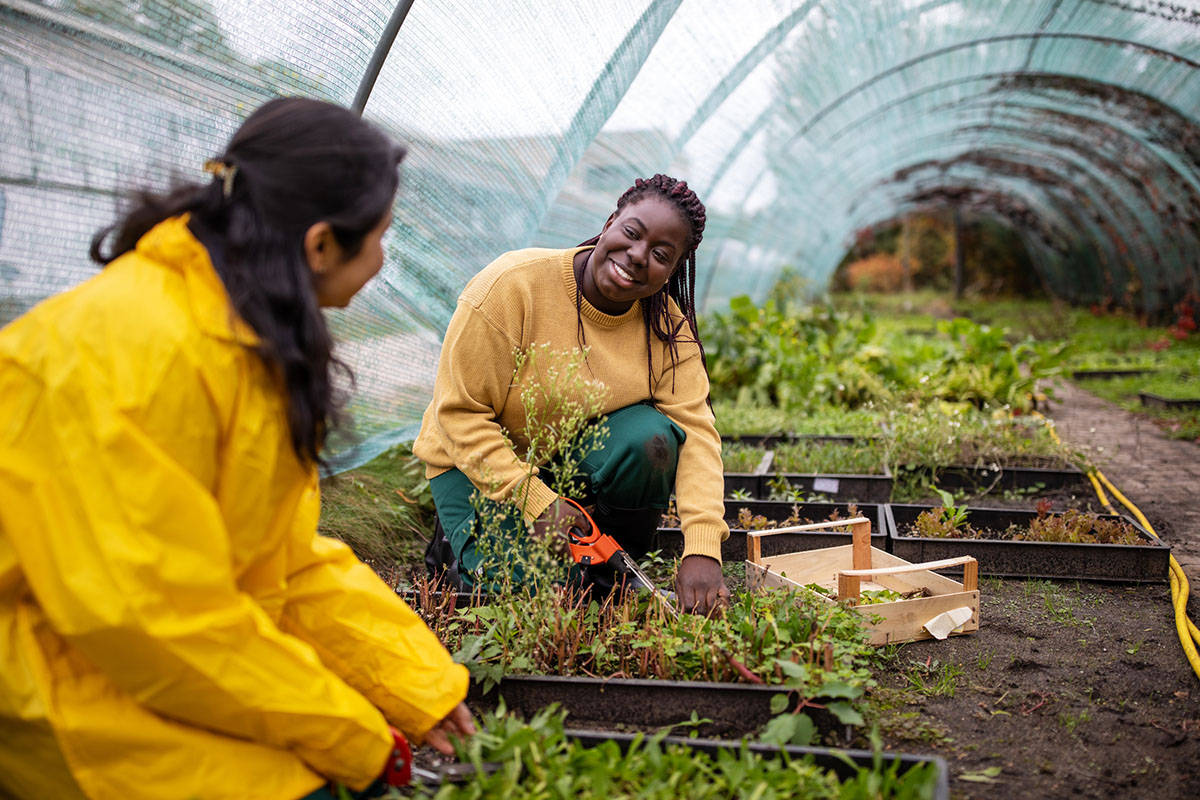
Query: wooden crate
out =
(852, 568)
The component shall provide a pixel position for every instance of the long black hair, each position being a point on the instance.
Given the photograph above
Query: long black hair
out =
(294, 162)
(681, 286)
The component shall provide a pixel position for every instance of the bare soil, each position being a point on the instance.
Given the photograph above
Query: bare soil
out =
(1069, 689)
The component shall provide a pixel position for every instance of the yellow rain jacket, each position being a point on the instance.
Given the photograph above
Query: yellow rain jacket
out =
(171, 626)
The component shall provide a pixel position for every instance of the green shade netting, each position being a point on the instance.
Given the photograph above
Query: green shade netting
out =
(800, 124)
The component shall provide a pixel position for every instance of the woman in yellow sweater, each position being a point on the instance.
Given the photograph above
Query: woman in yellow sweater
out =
(171, 625)
(627, 295)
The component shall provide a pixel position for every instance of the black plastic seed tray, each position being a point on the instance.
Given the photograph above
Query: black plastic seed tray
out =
(770, 440)
(1147, 563)
(1085, 374)
(670, 540)
(747, 482)
(1151, 400)
(825, 758)
(735, 709)
(992, 479)
(838, 488)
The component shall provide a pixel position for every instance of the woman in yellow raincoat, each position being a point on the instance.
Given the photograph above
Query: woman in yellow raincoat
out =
(171, 626)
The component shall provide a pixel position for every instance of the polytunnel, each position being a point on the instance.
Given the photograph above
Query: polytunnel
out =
(1076, 123)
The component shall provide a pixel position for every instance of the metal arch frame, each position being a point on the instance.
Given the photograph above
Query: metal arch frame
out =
(988, 201)
(1089, 186)
(754, 128)
(977, 100)
(751, 130)
(1069, 218)
(1179, 183)
(1070, 141)
(1055, 209)
(1045, 194)
(1063, 185)
(1097, 197)
(384, 46)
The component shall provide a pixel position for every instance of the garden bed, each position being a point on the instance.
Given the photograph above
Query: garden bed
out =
(989, 479)
(844, 763)
(1104, 374)
(731, 709)
(840, 488)
(1152, 400)
(769, 441)
(1145, 563)
(778, 514)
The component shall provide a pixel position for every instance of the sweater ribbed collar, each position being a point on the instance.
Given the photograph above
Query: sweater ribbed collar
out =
(588, 310)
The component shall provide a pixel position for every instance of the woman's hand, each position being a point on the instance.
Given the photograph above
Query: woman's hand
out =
(700, 586)
(457, 723)
(551, 527)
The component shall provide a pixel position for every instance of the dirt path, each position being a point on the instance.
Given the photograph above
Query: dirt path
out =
(1160, 476)
(1070, 689)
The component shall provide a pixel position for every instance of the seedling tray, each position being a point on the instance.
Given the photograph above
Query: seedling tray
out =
(744, 482)
(824, 758)
(1151, 400)
(735, 709)
(850, 569)
(1085, 374)
(670, 540)
(841, 488)
(768, 441)
(1058, 561)
(1011, 478)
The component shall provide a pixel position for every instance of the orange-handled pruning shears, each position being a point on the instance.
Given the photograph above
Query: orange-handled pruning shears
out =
(592, 546)
(595, 547)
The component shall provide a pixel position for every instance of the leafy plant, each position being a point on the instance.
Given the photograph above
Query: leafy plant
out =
(947, 521)
(537, 760)
(559, 631)
(933, 678)
(829, 458)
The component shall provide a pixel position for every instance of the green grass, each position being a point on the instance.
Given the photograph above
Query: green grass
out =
(383, 510)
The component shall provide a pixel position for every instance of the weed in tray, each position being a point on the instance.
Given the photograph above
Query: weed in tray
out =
(932, 678)
(536, 759)
(749, 521)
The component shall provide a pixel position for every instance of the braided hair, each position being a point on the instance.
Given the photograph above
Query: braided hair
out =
(681, 286)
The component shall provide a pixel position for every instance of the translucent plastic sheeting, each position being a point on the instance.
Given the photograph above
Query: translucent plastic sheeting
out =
(1074, 122)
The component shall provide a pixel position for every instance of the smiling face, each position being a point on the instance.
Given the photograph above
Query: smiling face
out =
(637, 252)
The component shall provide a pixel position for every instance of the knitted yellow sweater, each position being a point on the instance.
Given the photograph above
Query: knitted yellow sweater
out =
(527, 298)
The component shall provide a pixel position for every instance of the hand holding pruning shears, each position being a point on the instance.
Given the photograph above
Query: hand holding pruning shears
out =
(700, 582)
(399, 770)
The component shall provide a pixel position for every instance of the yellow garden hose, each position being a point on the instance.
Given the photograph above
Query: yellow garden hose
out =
(1189, 634)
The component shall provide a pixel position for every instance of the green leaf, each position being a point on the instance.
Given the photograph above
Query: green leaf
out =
(780, 730)
(792, 669)
(779, 703)
(983, 776)
(840, 689)
(805, 730)
(845, 712)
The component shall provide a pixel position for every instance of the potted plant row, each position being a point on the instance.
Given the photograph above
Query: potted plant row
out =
(1035, 543)
(838, 468)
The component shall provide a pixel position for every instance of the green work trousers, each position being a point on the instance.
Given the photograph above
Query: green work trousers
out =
(629, 481)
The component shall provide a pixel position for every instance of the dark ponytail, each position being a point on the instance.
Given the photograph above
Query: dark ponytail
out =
(295, 162)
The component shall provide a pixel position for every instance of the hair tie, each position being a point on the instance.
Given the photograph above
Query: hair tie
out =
(224, 173)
